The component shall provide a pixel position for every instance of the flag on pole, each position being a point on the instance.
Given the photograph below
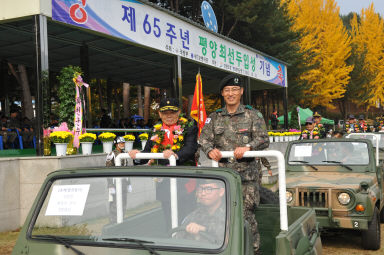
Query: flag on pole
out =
(198, 108)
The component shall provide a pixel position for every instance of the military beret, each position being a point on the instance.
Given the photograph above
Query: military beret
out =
(231, 80)
(169, 104)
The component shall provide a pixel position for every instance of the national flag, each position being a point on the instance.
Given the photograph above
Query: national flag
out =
(198, 108)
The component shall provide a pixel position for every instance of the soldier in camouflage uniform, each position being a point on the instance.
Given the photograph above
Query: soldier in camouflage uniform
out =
(237, 128)
(125, 183)
(209, 217)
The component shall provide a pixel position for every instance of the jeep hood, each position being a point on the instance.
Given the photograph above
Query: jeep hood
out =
(328, 179)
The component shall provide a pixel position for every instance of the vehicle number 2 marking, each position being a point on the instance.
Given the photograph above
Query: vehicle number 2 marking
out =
(355, 224)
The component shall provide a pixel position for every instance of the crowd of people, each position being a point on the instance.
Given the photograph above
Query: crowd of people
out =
(13, 126)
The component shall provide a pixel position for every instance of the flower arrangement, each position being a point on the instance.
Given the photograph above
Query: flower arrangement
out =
(178, 136)
(143, 137)
(107, 137)
(60, 136)
(129, 137)
(87, 137)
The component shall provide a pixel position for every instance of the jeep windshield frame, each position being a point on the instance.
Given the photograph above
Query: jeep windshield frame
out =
(330, 155)
(83, 234)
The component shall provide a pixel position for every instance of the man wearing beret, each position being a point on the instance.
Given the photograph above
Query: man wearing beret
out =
(237, 128)
(317, 121)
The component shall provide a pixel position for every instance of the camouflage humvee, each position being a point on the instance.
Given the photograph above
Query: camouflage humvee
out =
(342, 180)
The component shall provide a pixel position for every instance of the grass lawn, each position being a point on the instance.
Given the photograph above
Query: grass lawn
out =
(7, 241)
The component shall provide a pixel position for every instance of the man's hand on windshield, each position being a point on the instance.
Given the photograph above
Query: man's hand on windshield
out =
(215, 155)
(133, 153)
(194, 228)
(239, 152)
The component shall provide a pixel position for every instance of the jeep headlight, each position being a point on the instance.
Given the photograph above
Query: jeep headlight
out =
(344, 198)
(289, 196)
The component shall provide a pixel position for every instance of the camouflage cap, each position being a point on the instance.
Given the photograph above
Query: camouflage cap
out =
(231, 80)
(169, 104)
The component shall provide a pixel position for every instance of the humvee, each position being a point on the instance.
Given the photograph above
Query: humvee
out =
(140, 210)
(342, 180)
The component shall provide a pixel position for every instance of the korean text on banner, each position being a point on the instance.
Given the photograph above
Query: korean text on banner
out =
(198, 108)
(78, 121)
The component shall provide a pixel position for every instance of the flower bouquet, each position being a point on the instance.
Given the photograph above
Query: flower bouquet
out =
(129, 137)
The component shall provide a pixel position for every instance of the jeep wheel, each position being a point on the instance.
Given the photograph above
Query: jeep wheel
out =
(268, 197)
(371, 238)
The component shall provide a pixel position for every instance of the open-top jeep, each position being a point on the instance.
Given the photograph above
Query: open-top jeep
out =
(141, 210)
(342, 180)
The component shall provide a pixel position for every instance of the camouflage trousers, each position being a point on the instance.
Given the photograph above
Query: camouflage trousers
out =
(251, 198)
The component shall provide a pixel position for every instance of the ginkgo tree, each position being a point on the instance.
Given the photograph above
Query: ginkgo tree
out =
(326, 46)
(368, 39)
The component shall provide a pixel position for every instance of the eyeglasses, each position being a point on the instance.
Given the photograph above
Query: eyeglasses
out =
(233, 90)
(206, 190)
(308, 123)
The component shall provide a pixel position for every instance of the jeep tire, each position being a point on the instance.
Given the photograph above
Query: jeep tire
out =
(268, 197)
(370, 238)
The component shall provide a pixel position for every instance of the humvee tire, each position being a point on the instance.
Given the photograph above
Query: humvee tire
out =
(268, 197)
(371, 238)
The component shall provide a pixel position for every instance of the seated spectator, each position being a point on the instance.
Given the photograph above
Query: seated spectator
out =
(8, 136)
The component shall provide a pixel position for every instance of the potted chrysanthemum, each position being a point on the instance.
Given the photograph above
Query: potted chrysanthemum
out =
(107, 140)
(61, 140)
(129, 140)
(86, 140)
(143, 138)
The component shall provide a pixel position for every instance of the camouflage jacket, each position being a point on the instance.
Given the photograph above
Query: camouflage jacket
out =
(110, 161)
(215, 224)
(226, 132)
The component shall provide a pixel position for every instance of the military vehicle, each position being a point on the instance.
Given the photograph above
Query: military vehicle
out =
(140, 210)
(342, 180)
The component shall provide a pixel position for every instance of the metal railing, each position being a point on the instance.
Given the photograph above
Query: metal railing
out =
(225, 154)
(118, 130)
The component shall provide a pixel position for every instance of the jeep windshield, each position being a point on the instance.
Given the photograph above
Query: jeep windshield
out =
(343, 154)
(146, 212)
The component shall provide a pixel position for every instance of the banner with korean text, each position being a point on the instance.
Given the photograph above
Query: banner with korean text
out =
(146, 25)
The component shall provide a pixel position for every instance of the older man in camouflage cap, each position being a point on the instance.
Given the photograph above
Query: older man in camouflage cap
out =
(237, 128)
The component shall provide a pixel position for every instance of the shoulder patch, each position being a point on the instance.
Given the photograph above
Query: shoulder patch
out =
(259, 114)
(219, 110)
(207, 120)
(248, 107)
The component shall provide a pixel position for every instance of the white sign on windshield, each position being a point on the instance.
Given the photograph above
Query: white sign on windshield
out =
(67, 200)
(303, 151)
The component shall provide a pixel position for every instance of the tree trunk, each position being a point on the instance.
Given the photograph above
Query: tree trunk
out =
(101, 101)
(147, 97)
(232, 28)
(139, 101)
(22, 79)
(126, 105)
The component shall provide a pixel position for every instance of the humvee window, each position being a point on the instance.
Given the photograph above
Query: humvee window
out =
(156, 212)
(329, 153)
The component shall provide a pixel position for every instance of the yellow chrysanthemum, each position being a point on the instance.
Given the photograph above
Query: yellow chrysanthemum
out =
(157, 126)
(154, 150)
(181, 138)
(129, 137)
(183, 119)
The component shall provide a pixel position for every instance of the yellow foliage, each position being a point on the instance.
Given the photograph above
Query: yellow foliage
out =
(368, 37)
(326, 46)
